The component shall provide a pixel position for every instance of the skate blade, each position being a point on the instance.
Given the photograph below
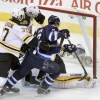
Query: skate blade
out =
(40, 95)
(9, 93)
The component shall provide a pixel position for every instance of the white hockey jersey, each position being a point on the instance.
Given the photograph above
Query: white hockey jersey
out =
(12, 38)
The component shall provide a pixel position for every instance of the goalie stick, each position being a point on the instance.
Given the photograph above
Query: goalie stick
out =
(85, 72)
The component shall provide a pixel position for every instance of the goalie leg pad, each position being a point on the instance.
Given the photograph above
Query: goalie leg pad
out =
(91, 83)
(72, 81)
(59, 61)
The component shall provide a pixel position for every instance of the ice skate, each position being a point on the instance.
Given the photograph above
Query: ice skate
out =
(42, 90)
(6, 89)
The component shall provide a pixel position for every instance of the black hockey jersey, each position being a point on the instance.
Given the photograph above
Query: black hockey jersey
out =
(48, 44)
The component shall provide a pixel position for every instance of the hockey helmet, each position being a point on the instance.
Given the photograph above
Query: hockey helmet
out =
(80, 50)
(53, 20)
(32, 10)
(18, 14)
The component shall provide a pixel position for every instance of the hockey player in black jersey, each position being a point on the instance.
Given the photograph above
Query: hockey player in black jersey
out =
(49, 48)
(15, 33)
(48, 45)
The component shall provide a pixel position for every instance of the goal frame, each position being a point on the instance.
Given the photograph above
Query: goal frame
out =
(94, 30)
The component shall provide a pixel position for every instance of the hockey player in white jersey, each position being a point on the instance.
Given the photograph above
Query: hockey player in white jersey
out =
(16, 33)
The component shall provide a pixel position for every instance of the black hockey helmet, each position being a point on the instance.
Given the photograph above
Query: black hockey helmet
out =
(53, 20)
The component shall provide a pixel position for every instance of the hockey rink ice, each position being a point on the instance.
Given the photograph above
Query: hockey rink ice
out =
(29, 93)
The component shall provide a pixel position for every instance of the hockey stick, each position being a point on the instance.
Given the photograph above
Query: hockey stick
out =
(61, 41)
(85, 72)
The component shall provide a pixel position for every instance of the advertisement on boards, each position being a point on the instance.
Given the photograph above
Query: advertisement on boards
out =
(93, 5)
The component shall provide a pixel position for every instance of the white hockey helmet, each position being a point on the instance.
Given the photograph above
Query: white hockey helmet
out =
(18, 14)
(32, 10)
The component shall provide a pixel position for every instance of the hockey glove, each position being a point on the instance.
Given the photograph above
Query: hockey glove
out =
(24, 48)
(68, 48)
(40, 18)
(65, 33)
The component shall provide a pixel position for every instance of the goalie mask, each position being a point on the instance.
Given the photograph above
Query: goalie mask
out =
(18, 14)
(32, 10)
(53, 20)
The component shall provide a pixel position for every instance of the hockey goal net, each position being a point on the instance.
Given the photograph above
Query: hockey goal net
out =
(84, 28)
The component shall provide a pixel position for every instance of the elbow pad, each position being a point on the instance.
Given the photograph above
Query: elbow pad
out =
(40, 18)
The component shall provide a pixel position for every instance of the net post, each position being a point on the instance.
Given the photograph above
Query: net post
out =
(94, 45)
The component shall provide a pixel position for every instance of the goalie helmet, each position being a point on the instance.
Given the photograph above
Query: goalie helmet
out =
(80, 50)
(53, 20)
(18, 14)
(32, 10)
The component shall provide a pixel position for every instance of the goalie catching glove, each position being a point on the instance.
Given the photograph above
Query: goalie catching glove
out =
(69, 48)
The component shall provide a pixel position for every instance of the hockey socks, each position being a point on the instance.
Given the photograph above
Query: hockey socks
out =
(11, 82)
(8, 87)
(43, 88)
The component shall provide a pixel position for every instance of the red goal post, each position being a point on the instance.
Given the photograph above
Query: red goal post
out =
(81, 13)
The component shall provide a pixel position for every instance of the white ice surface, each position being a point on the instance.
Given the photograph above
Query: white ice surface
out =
(27, 93)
